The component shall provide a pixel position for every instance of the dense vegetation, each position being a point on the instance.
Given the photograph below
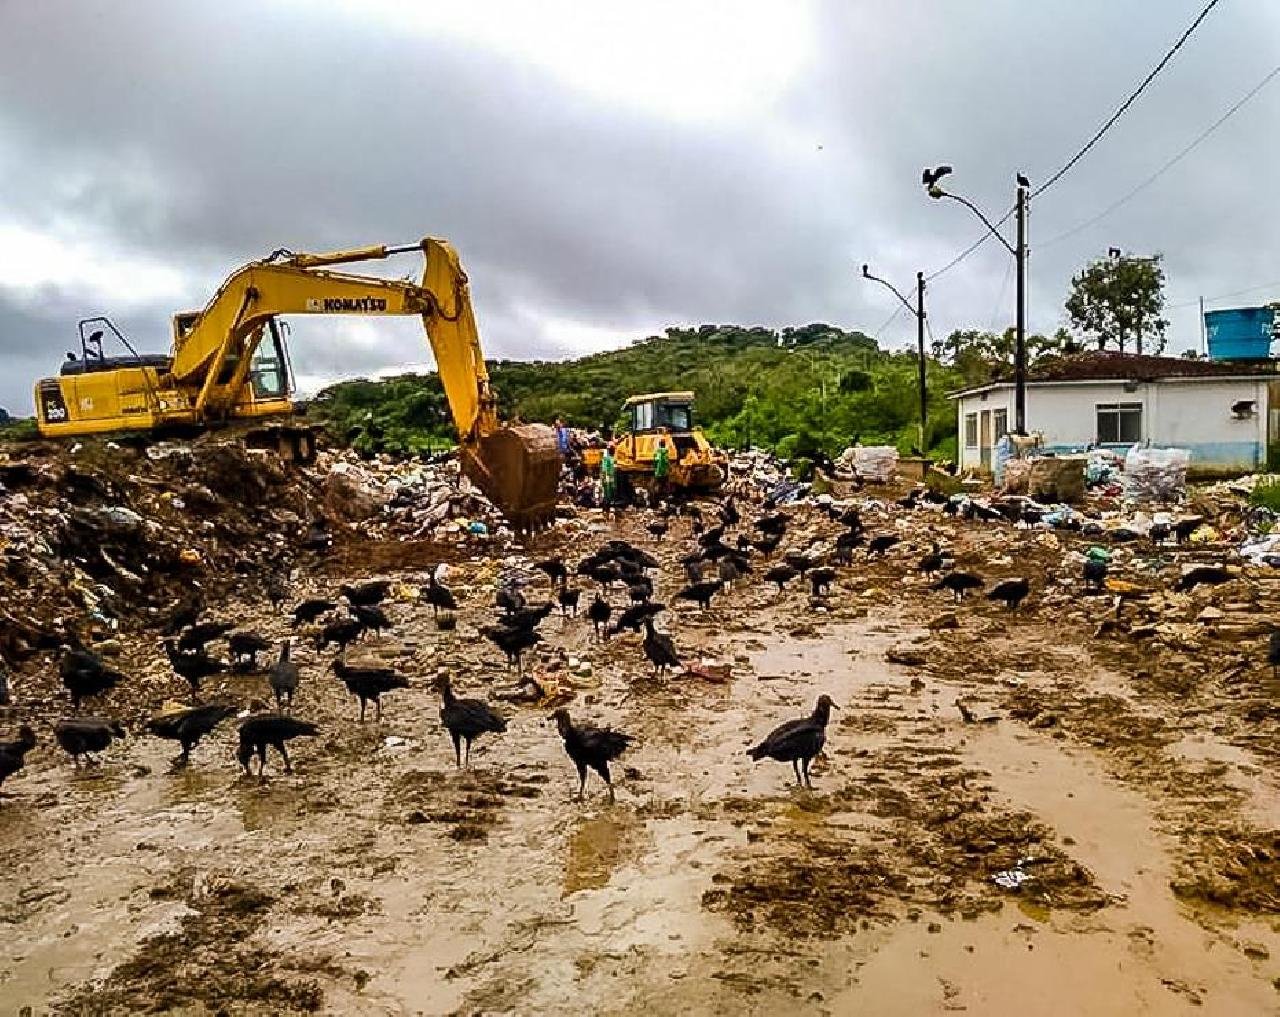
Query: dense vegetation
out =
(797, 391)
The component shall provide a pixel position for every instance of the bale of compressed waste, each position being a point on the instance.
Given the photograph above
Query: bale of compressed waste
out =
(1053, 479)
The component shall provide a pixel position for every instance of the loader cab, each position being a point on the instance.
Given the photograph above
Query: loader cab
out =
(661, 411)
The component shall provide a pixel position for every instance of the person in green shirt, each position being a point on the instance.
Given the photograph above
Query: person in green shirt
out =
(608, 476)
(661, 467)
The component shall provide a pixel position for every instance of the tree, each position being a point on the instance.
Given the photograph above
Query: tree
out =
(982, 356)
(1119, 298)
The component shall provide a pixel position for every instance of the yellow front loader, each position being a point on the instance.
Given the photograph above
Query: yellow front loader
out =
(230, 362)
(663, 418)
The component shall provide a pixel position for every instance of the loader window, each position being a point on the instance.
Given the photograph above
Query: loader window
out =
(677, 417)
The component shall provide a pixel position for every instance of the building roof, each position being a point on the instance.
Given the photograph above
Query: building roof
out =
(1108, 365)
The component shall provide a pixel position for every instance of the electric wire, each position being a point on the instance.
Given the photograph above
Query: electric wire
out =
(1133, 96)
(1170, 164)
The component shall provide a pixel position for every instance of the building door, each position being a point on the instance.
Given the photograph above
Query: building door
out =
(984, 439)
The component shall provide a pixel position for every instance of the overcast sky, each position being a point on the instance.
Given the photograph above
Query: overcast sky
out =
(609, 169)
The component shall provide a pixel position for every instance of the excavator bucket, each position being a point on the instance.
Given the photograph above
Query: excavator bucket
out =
(518, 469)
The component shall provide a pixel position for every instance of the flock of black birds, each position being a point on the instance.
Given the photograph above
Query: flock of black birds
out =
(727, 548)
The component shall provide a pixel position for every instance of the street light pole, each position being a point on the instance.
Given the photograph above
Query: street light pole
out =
(919, 313)
(924, 392)
(1020, 349)
(930, 179)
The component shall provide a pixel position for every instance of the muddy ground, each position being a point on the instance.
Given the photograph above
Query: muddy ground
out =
(1102, 837)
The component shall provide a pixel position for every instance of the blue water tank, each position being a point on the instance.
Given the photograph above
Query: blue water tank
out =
(1239, 333)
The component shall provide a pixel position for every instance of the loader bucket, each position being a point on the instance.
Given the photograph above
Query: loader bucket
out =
(518, 469)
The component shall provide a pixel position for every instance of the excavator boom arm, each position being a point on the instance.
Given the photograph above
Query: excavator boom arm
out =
(231, 324)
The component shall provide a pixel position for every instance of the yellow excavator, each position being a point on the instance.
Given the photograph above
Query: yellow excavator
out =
(229, 362)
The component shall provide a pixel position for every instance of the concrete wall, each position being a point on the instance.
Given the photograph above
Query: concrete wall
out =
(1194, 414)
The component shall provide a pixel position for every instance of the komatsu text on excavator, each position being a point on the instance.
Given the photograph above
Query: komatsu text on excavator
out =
(229, 361)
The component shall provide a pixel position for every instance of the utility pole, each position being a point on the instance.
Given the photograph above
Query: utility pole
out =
(1020, 349)
(919, 313)
(924, 392)
(1204, 343)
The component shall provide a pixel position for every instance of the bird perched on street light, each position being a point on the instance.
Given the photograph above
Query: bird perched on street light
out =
(930, 178)
(1022, 180)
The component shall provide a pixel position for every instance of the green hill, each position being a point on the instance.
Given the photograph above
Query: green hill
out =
(794, 391)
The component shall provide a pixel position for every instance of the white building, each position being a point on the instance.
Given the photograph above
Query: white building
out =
(1217, 410)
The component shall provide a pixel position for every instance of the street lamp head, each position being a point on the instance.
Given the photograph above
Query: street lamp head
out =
(866, 271)
(930, 177)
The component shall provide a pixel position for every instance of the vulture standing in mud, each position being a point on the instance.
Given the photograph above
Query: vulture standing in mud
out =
(660, 648)
(879, 545)
(798, 741)
(554, 569)
(959, 583)
(439, 596)
(197, 636)
(309, 610)
(269, 729)
(590, 748)
(368, 683)
(701, 593)
(933, 561)
(568, 597)
(1012, 591)
(371, 617)
(13, 754)
(367, 594)
(194, 667)
(781, 575)
(341, 632)
(187, 727)
(284, 678)
(1196, 575)
(820, 579)
(244, 647)
(599, 613)
(84, 675)
(466, 720)
(512, 641)
(80, 736)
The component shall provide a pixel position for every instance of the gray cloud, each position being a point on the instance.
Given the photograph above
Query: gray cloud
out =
(199, 136)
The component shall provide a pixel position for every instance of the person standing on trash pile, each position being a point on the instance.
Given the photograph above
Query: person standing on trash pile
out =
(562, 438)
(661, 467)
(608, 476)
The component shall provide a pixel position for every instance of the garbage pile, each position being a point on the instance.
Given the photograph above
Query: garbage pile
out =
(1155, 476)
(877, 464)
(99, 536)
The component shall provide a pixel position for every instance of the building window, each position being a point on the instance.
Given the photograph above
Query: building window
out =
(1119, 423)
(970, 430)
(1000, 422)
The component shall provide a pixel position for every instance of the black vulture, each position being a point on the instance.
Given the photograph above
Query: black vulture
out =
(590, 747)
(701, 593)
(1012, 591)
(187, 727)
(284, 678)
(660, 648)
(959, 583)
(309, 610)
(367, 594)
(781, 575)
(13, 753)
(599, 613)
(568, 600)
(198, 635)
(341, 632)
(83, 735)
(466, 720)
(269, 729)
(244, 647)
(821, 579)
(798, 741)
(367, 683)
(192, 667)
(84, 674)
